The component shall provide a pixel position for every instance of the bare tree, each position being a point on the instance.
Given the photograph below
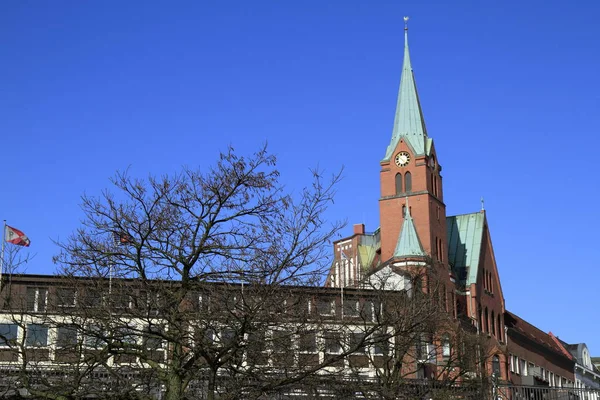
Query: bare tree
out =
(173, 278)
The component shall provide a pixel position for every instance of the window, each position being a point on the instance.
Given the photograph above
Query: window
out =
(325, 306)
(152, 338)
(66, 336)
(332, 343)
(510, 361)
(356, 341)
(398, 183)
(351, 308)
(227, 337)
(37, 298)
(121, 299)
(500, 329)
(523, 367)
(94, 337)
(408, 182)
(493, 324)
(446, 346)
(92, 297)
(8, 334)
(37, 335)
(496, 365)
(65, 297)
(256, 349)
(381, 344)
(308, 342)
(126, 336)
(282, 348)
(485, 320)
(282, 341)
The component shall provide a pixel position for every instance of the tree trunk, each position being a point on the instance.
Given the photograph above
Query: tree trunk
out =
(174, 387)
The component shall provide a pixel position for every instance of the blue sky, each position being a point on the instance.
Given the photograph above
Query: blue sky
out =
(510, 92)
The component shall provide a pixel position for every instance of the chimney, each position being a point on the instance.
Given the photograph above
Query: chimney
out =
(359, 229)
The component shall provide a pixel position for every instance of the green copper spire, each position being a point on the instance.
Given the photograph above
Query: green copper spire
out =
(408, 242)
(408, 122)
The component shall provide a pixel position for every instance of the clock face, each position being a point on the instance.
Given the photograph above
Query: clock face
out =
(402, 159)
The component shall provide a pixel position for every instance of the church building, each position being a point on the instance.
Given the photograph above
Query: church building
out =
(416, 232)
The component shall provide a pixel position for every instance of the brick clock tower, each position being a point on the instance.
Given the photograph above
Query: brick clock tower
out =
(410, 177)
(415, 232)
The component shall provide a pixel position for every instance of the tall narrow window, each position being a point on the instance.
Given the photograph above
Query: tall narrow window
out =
(446, 346)
(486, 327)
(496, 365)
(408, 182)
(493, 324)
(500, 329)
(435, 186)
(398, 183)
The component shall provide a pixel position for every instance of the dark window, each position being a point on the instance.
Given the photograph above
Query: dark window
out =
(227, 337)
(351, 308)
(325, 306)
(333, 343)
(366, 311)
(381, 345)
(94, 337)
(282, 341)
(496, 365)
(408, 182)
(256, 349)
(92, 297)
(486, 314)
(65, 297)
(398, 183)
(8, 334)
(152, 338)
(36, 299)
(500, 329)
(66, 336)
(37, 335)
(493, 324)
(356, 342)
(308, 342)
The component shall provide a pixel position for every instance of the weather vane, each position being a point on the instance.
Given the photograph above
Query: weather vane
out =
(405, 23)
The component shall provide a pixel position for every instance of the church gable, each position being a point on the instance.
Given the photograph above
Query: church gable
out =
(464, 235)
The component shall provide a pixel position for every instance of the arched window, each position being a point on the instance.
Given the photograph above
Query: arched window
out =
(398, 183)
(408, 182)
(493, 324)
(496, 365)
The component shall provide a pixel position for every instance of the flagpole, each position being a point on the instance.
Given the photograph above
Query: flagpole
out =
(2, 256)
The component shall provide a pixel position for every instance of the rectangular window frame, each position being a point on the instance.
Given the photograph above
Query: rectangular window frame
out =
(36, 335)
(9, 334)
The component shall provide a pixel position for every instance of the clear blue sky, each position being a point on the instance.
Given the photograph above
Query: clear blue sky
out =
(510, 92)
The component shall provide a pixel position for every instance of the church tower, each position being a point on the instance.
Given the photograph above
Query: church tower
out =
(410, 174)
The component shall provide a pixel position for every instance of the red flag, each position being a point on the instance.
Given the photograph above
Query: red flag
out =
(15, 236)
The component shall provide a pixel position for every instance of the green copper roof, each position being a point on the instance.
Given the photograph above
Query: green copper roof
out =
(465, 234)
(408, 122)
(408, 243)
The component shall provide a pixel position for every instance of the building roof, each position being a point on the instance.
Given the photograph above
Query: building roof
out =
(534, 334)
(408, 244)
(465, 235)
(408, 122)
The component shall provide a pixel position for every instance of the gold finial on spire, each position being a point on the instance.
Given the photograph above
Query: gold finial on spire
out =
(405, 23)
